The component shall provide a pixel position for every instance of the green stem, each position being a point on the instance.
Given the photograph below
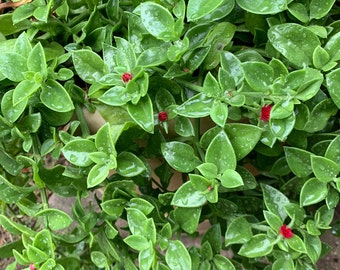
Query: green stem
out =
(83, 123)
(190, 85)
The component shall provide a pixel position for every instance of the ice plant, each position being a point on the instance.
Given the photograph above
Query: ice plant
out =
(162, 116)
(265, 112)
(126, 77)
(286, 232)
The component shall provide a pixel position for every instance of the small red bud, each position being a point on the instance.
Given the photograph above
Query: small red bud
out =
(32, 267)
(265, 112)
(210, 188)
(286, 232)
(162, 116)
(127, 76)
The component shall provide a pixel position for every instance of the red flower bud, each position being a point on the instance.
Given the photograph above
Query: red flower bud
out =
(162, 116)
(265, 112)
(286, 232)
(127, 76)
(32, 267)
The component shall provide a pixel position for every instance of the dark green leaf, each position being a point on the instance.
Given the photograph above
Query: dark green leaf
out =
(180, 156)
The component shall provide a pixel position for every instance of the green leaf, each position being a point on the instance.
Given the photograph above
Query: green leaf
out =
(275, 201)
(299, 161)
(273, 220)
(13, 66)
(55, 97)
(243, 138)
(89, 66)
(10, 193)
(258, 246)
(177, 256)
(283, 263)
(332, 81)
(43, 241)
(210, 86)
(146, 257)
(15, 228)
(114, 207)
(238, 232)
(129, 165)
(208, 170)
(299, 11)
(223, 263)
(320, 115)
(282, 109)
(153, 56)
(281, 128)
(57, 219)
(313, 247)
(232, 65)
(213, 237)
(313, 191)
(141, 204)
(180, 156)
(320, 57)
(197, 106)
(99, 259)
(296, 42)
(78, 152)
(142, 113)
(97, 174)
(199, 182)
(188, 218)
(158, 21)
(258, 75)
(137, 242)
(221, 153)
(9, 164)
(296, 244)
(197, 9)
(36, 255)
(324, 169)
(296, 213)
(184, 127)
(219, 113)
(231, 179)
(188, 196)
(263, 7)
(114, 96)
(332, 151)
(24, 90)
(125, 55)
(320, 8)
(36, 60)
(104, 140)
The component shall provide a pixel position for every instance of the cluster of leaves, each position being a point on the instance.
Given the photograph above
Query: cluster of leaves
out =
(237, 100)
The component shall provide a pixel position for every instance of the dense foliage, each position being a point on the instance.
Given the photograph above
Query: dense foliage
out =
(218, 111)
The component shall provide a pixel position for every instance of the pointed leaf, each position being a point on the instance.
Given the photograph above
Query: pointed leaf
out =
(142, 113)
(258, 246)
(177, 256)
(57, 219)
(275, 201)
(55, 97)
(180, 156)
(221, 153)
(313, 191)
(188, 196)
(199, 8)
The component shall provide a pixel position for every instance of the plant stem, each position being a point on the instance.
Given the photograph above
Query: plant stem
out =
(190, 85)
(83, 123)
